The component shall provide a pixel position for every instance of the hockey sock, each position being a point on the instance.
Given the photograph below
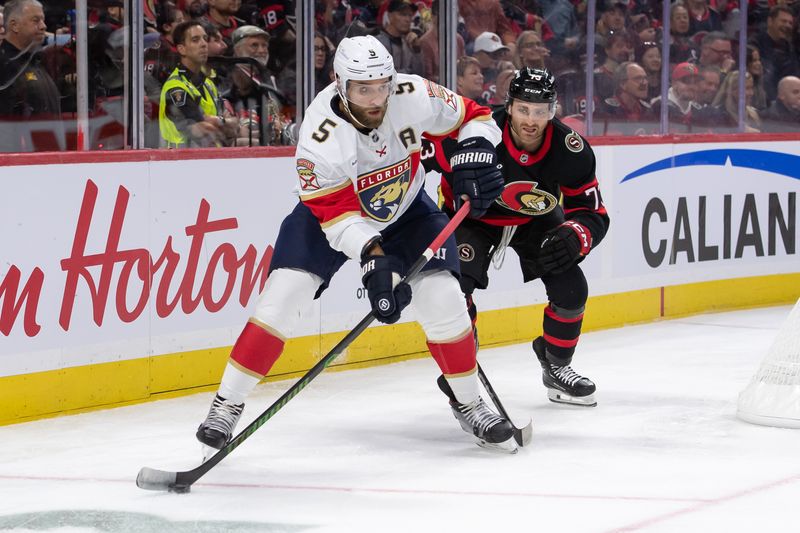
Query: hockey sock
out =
(457, 362)
(562, 328)
(252, 357)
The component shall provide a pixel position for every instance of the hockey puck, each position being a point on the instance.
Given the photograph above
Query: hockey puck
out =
(180, 489)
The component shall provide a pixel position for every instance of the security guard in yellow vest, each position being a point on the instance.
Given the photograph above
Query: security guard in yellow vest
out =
(190, 113)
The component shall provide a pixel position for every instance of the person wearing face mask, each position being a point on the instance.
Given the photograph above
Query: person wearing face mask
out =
(543, 161)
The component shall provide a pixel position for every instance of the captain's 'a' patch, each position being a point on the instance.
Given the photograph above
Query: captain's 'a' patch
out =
(178, 97)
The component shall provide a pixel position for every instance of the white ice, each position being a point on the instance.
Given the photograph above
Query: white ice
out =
(377, 450)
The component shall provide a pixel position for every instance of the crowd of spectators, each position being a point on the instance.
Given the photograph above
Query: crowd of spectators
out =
(247, 53)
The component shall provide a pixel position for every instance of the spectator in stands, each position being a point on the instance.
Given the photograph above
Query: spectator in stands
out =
(618, 48)
(216, 44)
(160, 60)
(218, 71)
(27, 92)
(429, 46)
(469, 79)
(222, 14)
(648, 55)
(612, 17)
(728, 97)
(531, 50)
(399, 40)
(680, 97)
(702, 17)
(112, 13)
(253, 93)
(708, 115)
(196, 9)
(563, 22)
(756, 69)
(716, 50)
(627, 111)
(778, 54)
(190, 111)
(481, 16)
(323, 62)
(643, 27)
(682, 47)
(504, 78)
(489, 50)
(2, 26)
(708, 84)
(784, 113)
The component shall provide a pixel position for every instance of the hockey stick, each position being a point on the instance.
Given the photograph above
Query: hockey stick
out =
(522, 435)
(153, 479)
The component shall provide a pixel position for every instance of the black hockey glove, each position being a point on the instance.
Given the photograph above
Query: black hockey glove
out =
(477, 174)
(562, 246)
(377, 273)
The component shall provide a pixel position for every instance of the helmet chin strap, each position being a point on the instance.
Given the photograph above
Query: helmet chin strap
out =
(353, 117)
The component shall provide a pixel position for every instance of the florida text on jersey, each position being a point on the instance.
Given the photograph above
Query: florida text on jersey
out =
(358, 181)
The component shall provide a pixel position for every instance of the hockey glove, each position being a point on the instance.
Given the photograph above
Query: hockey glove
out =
(387, 300)
(477, 174)
(563, 245)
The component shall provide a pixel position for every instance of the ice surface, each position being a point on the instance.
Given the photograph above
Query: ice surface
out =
(377, 450)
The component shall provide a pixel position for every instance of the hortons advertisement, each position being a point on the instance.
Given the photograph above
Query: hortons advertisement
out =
(144, 260)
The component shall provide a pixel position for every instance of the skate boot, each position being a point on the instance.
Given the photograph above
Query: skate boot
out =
(490, 430)
(564, 385)
(216, 430)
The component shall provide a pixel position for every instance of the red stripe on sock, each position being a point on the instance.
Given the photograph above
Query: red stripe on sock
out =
(561, 343)
(455, 357)
(552, 314)
(256, 349)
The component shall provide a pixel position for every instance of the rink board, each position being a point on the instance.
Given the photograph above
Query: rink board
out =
(128, 276)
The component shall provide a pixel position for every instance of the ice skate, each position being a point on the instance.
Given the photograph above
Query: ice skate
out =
(491, 431)
(217, 429)
(564, 385)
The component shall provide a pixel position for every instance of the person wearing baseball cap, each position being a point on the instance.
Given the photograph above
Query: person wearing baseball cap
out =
(488, 49)
(680, 97)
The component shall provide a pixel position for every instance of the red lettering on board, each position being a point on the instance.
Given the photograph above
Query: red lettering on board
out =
(197, 284)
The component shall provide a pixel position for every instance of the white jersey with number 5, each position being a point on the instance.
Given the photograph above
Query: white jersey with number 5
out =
(358, 182)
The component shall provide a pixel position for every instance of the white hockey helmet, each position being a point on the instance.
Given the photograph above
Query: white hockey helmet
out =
(362, 58)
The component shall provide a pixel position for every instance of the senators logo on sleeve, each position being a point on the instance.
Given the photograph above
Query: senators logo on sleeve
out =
(382, 191)
(525, 198)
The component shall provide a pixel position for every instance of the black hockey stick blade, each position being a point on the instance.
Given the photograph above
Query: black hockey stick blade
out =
(523, 435)
(181, 482)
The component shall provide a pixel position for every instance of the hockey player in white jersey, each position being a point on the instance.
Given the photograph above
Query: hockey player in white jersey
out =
(361, 197)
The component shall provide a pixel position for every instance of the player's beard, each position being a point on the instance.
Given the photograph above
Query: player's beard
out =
(368, 116)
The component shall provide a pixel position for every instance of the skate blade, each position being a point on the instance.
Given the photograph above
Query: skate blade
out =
(558, 396)
(508, 446)
(207, 451)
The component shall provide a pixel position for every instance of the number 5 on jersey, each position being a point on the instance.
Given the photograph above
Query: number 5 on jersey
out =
(322, 133)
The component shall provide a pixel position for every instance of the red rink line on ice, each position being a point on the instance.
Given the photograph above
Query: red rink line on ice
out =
(379, 490)
(703, 504)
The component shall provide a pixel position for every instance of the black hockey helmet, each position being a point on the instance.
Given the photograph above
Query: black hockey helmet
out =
(536, 85)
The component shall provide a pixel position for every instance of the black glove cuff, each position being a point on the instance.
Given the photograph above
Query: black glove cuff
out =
(377, 239)
(473, 143)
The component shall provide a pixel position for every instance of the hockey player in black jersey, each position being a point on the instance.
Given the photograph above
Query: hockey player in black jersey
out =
(543, 161)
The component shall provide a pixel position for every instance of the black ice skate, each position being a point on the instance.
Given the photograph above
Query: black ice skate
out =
(216, 430)
(564, 385)
(490, 430)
